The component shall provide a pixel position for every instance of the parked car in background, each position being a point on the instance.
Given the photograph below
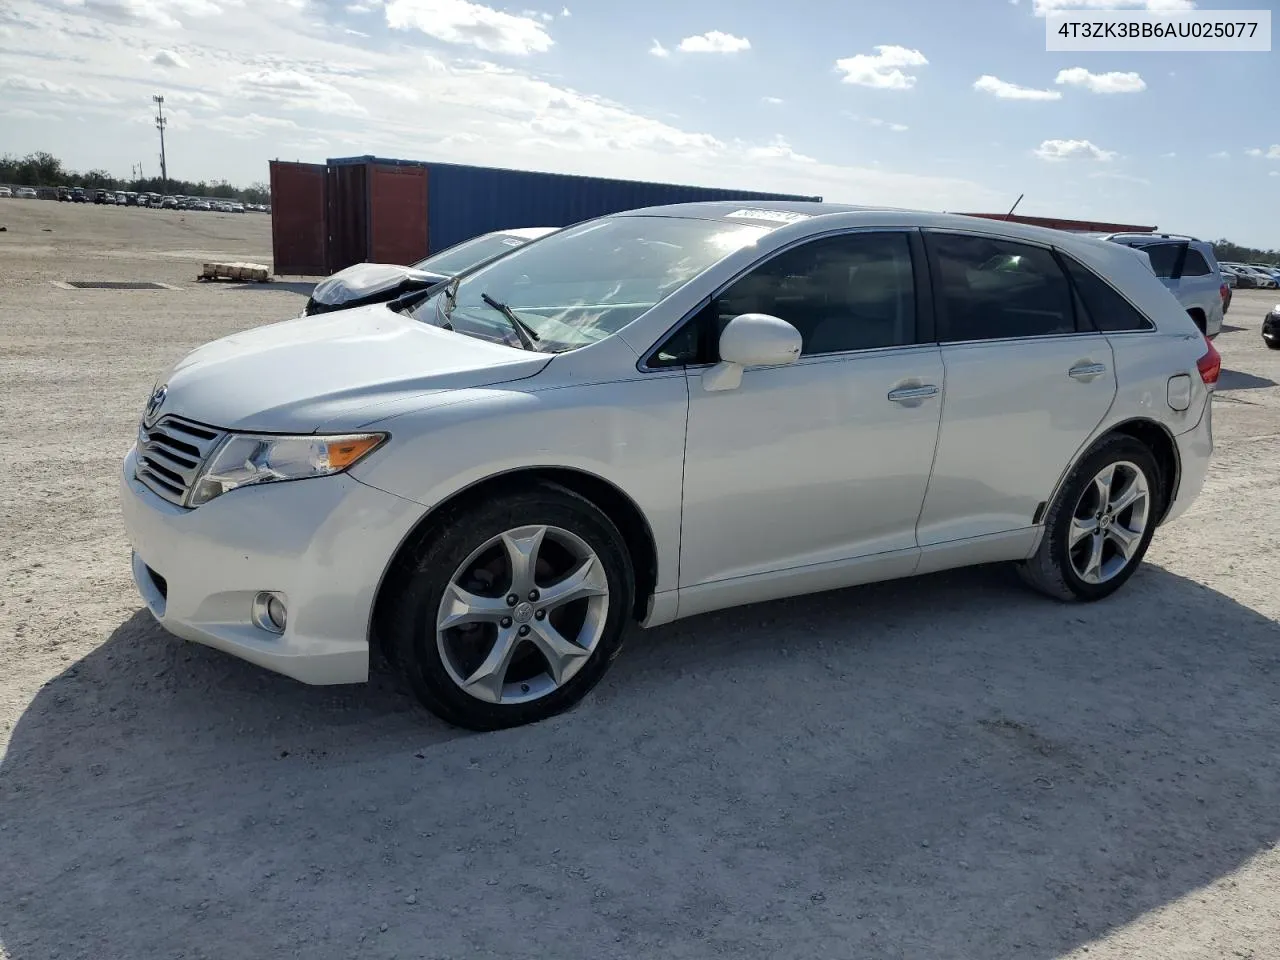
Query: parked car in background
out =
(366, 283)
(25, 193)
(1242, 281)
(1270, 269)
(1188, 268)
(6, 192)
(169, 203)
(237, 207)
(1261, 278)
(201, 205)
(653, 415)
(1271, 328)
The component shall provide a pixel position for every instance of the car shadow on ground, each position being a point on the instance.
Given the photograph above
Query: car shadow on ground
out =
(1235, 380)
(945, 767)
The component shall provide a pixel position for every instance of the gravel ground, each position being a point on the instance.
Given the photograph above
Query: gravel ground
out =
(942, 768)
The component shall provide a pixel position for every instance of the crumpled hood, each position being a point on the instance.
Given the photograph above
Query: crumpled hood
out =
(365, 279)
(332, 371)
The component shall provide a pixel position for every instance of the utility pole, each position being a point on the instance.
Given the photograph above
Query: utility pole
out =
(160, 125)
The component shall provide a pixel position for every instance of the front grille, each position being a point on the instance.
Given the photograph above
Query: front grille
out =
(170, 455)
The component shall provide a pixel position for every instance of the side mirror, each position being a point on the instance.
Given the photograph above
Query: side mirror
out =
(752, 340)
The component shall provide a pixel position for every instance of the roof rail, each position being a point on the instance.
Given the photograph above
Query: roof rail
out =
(1161, 236)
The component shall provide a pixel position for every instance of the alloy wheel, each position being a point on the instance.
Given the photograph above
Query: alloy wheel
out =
(522, 614)
(1109, 521)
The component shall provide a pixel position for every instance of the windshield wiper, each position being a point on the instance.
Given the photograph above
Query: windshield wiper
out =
(451, 295)
(525, 332)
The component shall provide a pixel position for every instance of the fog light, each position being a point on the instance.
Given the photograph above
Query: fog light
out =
(269, 612)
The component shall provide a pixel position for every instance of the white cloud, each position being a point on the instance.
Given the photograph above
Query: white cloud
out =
(1220, 155)
(883, 69)
(1072, 150)
(192, 98)
(1043, 7)
(341, 96)
(1253, 152)
(658, 50)
(1011, 91)
(473, 24)
(1114, 82)
(778, 149)
(250, 127)
(167, 58)
(294, 89)
(356, 33)
(1272, 153)
(877, 122)
(772, 101)
(564, 12)
(713, 41)
(40, 89)
(363, 6)
(1274, 173)
(152, 13)
(1169, 156)
(1124, 177)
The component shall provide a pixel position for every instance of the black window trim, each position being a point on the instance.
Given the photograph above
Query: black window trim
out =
(1076, 301)
(1065, 255)
(924, 325)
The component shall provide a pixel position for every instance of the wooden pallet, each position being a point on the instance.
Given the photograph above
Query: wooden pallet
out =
(255, 272)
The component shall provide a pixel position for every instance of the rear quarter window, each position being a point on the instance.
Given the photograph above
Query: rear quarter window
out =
(1106, 309)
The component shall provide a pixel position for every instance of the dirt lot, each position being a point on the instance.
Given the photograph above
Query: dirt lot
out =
(944, 768)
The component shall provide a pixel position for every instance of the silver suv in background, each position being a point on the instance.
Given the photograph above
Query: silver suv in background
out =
(1189, 269)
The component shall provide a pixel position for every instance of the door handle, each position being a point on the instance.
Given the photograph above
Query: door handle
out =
(1087, 371)
(907, 394)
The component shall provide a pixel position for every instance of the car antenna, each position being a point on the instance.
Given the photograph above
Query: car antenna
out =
(1009, 215)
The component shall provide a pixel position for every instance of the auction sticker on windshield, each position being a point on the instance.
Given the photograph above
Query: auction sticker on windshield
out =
(772, 216)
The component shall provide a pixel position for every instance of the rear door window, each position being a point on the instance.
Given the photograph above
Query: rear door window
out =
(991, 289)
(1195, 265)
(1165, 258)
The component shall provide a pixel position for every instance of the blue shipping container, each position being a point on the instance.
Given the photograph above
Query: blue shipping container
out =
(465, 201)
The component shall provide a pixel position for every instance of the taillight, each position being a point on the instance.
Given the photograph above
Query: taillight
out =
(1224, 291)
(1210, 365)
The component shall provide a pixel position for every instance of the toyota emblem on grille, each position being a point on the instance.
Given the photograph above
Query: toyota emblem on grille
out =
(155, 402)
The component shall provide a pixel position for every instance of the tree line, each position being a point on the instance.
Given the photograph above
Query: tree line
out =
(1228, 252)
(43, 169)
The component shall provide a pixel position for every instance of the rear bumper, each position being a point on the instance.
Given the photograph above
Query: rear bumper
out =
(1195, 448)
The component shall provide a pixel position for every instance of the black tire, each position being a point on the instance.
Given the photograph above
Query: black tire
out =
(1050, 570)
(410, 624)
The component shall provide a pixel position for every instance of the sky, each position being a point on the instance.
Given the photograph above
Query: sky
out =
(931, 104)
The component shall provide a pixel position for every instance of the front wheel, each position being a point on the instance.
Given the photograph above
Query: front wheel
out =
(1099, 527)
(513, 610)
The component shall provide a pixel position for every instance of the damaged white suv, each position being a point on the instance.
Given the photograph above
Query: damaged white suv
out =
(656, 414)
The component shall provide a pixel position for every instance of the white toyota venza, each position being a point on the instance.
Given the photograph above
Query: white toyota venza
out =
(655, 414)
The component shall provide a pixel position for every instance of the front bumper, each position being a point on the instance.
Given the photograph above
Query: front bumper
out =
(1195, 448)
(322, 544)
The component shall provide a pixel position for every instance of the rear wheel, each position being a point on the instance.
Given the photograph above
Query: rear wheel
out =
(1098, 529)
(514, 610)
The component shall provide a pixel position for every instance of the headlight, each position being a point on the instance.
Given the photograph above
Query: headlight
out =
(244, 459)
